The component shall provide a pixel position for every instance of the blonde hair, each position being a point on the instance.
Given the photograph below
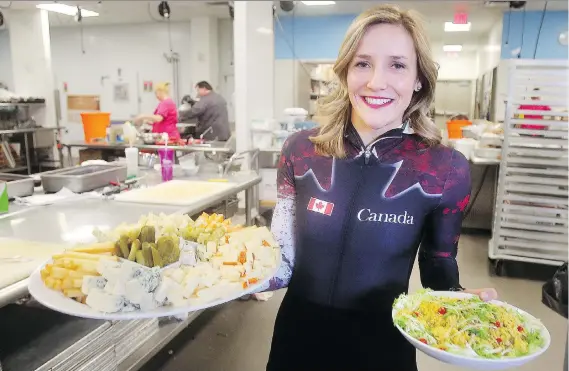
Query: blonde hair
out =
(163, 87)
(336, 108)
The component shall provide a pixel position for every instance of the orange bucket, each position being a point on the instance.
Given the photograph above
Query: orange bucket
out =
(95, 125)
(454, 128)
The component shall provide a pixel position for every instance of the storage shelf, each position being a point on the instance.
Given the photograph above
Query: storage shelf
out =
(532, 213)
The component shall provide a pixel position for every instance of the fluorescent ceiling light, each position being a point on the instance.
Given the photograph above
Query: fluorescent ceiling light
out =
(264, 30)
(312, 3)
(66, 9)
(452, 48)
(457, 27)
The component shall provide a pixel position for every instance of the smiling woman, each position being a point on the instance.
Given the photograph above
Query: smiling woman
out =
(359, 198)
(385, 50)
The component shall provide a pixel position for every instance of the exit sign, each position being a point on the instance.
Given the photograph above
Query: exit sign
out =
(460, 18)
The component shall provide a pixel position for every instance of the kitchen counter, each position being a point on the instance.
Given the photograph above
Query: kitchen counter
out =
(92, 342)
(220, 147)
(70, 222)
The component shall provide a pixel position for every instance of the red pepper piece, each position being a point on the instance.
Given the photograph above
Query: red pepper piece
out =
(520, 329)
(499, 340)
(442, 311)
(423, 341)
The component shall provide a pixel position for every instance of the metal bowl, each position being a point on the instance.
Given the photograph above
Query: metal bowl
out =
(151, 138)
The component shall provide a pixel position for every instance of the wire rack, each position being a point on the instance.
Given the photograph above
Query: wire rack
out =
(531, 217)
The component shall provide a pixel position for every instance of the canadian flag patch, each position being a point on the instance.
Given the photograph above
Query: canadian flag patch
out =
(320, 206)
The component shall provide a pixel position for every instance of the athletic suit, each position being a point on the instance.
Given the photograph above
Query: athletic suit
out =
(349, 231)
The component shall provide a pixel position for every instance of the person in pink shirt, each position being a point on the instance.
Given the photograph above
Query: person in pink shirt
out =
(165, 117)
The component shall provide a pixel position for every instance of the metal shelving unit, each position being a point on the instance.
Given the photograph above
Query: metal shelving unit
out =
(532, 217)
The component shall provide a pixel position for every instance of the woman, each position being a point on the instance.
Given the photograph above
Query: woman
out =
(165, 117)
(357, 197)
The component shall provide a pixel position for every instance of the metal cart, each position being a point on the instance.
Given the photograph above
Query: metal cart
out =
(531, 216)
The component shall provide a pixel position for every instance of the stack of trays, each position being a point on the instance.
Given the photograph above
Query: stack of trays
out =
(131, 335)
(82, 354)
(106, 361)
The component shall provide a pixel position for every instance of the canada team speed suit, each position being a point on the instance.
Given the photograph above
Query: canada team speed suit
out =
(350, 230)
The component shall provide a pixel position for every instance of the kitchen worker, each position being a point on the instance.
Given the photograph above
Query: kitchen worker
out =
(359, 198)
(165, 116)
(211, 112)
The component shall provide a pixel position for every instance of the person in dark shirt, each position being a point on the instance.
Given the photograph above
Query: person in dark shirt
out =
(359, 198)
(211, 113)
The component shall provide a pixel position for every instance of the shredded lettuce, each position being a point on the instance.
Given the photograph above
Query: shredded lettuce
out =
(468, 327)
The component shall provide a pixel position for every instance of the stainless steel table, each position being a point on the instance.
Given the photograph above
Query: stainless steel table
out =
(211, 147)
(73, 221)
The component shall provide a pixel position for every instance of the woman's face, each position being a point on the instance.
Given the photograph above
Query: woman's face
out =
(160, 94)
(382, 77)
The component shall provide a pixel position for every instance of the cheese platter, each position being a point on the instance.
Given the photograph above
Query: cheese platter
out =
(161, 266)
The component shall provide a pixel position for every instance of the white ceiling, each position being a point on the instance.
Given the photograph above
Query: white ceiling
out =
(435, 13)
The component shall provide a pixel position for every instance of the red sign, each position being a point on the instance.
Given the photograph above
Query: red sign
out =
(460, 18)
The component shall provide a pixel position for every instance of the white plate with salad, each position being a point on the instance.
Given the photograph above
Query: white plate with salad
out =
(462, 330)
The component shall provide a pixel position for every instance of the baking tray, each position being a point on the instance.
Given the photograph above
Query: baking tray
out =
(18, 185)
(80, 179)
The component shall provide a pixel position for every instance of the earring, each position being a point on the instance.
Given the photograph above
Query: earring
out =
(418, 87)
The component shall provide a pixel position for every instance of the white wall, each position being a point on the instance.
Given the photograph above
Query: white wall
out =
(5, 60)
(490, 49)
(136, 50)
(464, 66)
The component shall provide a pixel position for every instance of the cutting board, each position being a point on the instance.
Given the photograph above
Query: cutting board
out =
(175, 192)
(29, 256)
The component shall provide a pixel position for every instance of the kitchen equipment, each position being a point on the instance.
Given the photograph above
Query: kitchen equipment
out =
(175, 192)
(488, 153)
(131, 154)
(83, 178)
(43, 139)
(151, 138)
(18, 185)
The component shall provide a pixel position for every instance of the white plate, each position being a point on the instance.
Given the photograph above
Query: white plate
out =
(475, 362)
(56, 301)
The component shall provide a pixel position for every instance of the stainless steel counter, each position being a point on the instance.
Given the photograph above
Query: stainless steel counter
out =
(219, 147)
(73, 221)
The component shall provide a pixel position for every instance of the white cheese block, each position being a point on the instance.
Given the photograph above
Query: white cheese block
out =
(104, 302)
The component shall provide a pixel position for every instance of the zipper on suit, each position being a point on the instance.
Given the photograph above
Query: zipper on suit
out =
(345, 234)
(368, 148)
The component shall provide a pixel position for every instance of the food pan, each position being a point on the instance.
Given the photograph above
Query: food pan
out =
(80, 179)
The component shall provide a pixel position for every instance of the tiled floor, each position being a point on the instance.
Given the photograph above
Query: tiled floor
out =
(236, 337)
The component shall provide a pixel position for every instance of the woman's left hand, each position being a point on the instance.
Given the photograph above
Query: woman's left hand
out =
(487, 294)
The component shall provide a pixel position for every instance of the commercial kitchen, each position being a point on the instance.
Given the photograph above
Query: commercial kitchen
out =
(64, 179)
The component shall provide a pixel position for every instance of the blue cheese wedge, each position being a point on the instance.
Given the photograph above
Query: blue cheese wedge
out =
(92, 282)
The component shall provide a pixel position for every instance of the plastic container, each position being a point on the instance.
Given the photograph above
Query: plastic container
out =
(465, 146)
(455, 128)
(166, 163)
(95, 125)
(131, 154)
